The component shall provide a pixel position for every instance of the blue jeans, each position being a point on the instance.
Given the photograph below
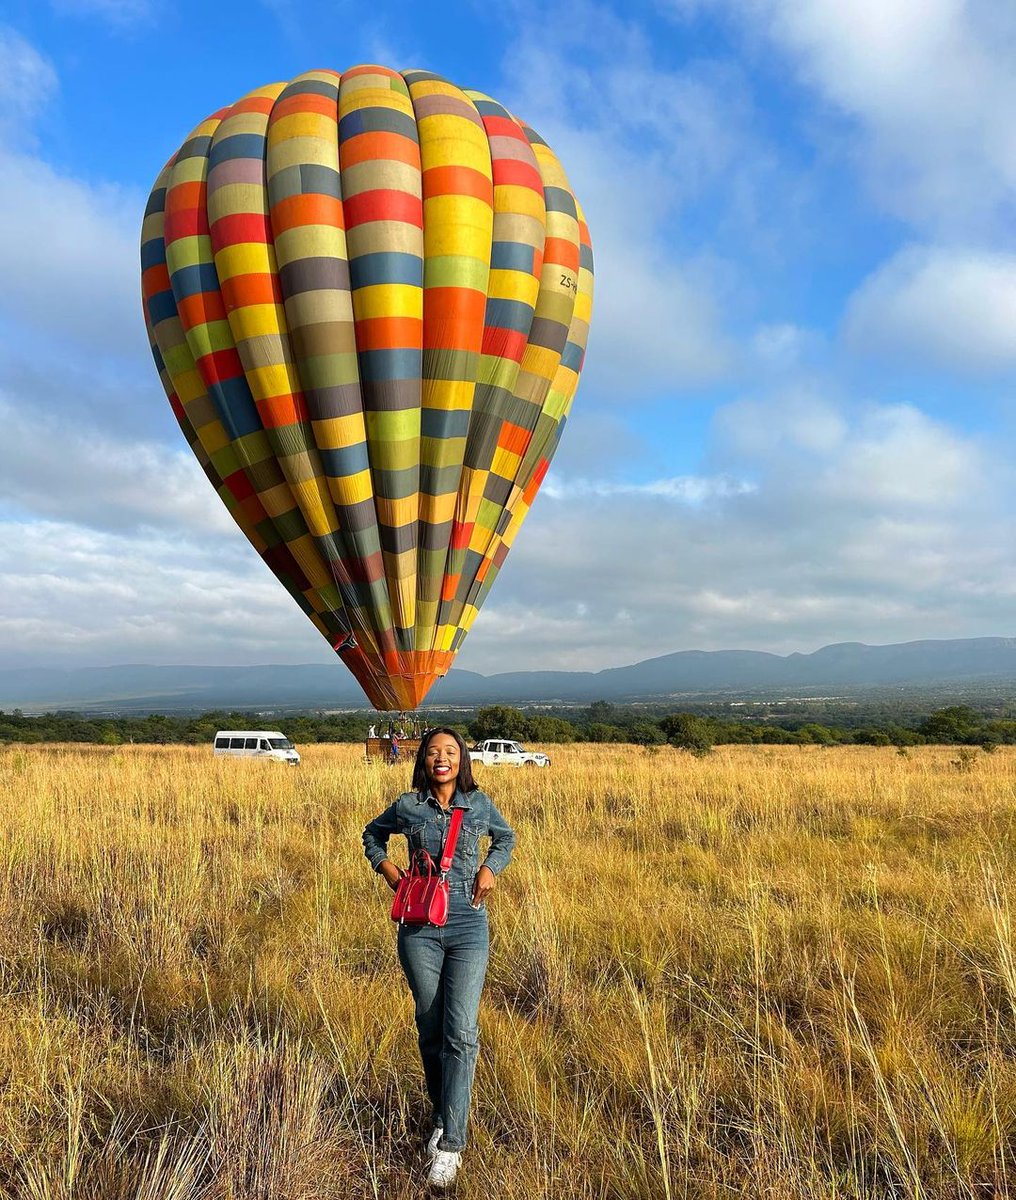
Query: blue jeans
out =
(445, 968)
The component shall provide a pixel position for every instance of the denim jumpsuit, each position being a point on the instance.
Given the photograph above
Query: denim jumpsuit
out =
(445, 966)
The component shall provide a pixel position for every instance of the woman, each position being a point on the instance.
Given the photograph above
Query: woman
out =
(445, 966)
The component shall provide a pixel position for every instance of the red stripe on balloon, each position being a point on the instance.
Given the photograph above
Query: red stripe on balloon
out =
(529, 495)
(383, 204)
(240, 227)
(239, 485)
(513, 172)
(220, 365)
(504, 343)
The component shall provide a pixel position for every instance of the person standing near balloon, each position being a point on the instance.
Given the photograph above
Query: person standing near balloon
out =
(446, 965)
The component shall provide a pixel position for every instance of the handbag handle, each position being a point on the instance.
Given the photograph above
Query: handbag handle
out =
(448, 853)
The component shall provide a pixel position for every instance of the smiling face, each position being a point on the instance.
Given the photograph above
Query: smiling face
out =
(442, 759)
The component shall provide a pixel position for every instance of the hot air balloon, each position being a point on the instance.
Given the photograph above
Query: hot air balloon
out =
(368, 296)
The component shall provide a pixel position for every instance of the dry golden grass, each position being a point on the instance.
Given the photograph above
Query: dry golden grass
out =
(768, 973)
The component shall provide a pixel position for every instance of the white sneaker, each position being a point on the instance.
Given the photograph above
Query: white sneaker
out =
(432, 1142)
(444, 1168)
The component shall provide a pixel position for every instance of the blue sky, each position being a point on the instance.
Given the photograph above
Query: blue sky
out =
(796, 423)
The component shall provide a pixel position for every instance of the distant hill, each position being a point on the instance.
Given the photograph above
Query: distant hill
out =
(849, 666)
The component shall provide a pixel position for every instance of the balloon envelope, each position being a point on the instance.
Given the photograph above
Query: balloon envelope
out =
(368, 296)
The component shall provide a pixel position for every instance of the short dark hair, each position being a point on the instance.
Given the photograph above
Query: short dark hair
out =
(465, 781)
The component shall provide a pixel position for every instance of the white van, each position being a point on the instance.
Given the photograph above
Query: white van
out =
(256, 743)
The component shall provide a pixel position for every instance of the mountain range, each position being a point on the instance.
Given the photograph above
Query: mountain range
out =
(847, 666)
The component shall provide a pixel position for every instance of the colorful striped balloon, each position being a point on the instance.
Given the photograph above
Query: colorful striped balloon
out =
(368, 297)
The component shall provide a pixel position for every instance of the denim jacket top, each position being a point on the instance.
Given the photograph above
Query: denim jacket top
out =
(419, 817)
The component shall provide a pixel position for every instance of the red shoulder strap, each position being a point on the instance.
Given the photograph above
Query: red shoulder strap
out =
(453, 836)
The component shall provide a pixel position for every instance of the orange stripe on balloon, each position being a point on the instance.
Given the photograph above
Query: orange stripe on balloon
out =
(253, 104)
(155, 279)
(305, 102)
(310, 209)
(513, 438)
(388, 333)
(454, 318)
(201, 308)
(370, 69)
(242, 290)
(185, 212)
(371, 147)
(276, 411)
(563, 252)
(457, 181)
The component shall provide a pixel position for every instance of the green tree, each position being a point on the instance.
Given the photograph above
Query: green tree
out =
(646, 733)
(688, 732)
(599, 731)
(499, 721)
(952, 726)
(821, 735)
(872, 737)
(549, 729)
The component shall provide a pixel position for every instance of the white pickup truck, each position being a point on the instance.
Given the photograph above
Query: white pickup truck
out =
(499, 751)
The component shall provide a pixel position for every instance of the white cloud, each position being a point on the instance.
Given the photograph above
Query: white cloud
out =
(954, 308)
(801, 423)
(932, 83)
(897, 458)
(640, 145)
(918, 97)
(28, 82)
(874, 458)
(691, 490)
(69, 248)
(54, 468)
(73, 596)
(783, 346)
(657, 323)
(70, 255)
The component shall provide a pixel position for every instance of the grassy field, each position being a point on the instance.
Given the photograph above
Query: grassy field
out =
(765, 973)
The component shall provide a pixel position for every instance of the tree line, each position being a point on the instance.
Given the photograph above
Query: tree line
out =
(600, 722)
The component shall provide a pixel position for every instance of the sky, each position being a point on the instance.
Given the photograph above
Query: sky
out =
(796, 422)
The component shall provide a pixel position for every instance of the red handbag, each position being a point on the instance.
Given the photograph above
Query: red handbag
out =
(422, 895)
